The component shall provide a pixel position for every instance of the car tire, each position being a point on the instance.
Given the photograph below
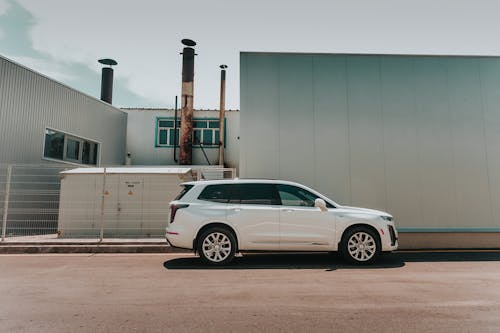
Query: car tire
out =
(360, 245)
(216, 246)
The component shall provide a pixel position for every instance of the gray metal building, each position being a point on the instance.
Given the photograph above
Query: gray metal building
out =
(42, 121)
(418, 136)
(45, 127)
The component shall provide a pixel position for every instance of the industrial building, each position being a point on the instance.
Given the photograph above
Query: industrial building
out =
(46, 126)
(43, 121)
(417, 136)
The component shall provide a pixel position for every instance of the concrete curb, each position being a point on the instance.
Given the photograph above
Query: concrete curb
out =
(88, 248)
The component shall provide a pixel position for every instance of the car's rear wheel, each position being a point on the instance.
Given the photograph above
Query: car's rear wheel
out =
(360, 245)
(217, 246)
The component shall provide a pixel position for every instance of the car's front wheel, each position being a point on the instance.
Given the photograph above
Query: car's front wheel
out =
(217, 246)
(360, 245)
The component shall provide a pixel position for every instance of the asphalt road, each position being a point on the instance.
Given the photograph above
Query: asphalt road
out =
(411, 292)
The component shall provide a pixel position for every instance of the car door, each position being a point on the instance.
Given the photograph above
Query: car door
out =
(303, 227)
(254, 211)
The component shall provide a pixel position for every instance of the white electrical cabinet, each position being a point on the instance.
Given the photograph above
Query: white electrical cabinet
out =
(121, 201)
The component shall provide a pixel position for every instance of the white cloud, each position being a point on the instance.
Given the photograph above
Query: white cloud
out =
(48, 68)
(4, 6)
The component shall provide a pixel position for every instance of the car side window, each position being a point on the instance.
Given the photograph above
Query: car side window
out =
(296, 196)
(215, 193)
(255, 194)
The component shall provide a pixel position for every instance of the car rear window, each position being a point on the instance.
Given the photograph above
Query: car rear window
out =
(185, 189)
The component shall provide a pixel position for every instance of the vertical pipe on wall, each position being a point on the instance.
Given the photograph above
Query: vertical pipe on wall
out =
(222, 112)
(186, 137)
(175, 131)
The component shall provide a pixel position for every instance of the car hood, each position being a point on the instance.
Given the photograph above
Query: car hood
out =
(366, 210)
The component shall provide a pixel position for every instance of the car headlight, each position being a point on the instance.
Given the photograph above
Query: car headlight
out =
(386, 218)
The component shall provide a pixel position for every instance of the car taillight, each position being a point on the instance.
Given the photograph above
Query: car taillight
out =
(174, 209)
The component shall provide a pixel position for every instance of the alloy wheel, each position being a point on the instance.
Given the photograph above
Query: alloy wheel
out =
(361, 246)
(216, 247)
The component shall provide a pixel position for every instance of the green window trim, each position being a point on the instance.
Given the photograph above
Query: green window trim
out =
(206, 129)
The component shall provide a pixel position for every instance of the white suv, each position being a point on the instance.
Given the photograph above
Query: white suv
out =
(219, 218)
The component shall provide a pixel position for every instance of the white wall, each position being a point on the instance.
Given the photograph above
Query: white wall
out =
(141, 138)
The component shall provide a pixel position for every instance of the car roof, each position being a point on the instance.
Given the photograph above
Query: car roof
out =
(240, 181)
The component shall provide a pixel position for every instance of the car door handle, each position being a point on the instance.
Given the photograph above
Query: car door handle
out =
(236, 209)
(288, 210)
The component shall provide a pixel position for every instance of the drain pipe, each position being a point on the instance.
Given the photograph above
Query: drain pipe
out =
(175, 131)
(222, 113)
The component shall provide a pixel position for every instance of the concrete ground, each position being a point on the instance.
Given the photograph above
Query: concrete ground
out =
(407, 292)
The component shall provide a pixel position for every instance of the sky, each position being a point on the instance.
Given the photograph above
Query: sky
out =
(64, 38)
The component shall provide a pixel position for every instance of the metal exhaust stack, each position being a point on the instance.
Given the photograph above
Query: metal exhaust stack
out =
(222, 113)
(186, 135)
(107, 80)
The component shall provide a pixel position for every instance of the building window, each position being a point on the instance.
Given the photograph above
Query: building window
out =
(65, 147)
(205, 132)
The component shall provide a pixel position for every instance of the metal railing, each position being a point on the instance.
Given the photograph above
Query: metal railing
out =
(44, 203)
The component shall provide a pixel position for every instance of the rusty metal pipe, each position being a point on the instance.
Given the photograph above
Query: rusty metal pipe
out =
(186, 135)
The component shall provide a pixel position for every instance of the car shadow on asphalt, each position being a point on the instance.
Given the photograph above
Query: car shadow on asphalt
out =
(333, 262)
(328, 262)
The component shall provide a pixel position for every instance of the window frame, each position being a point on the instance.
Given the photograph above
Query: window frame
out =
(80, 139)
(201, 129)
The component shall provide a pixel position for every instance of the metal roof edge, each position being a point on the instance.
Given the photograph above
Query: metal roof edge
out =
(168, 109)
(373, 54)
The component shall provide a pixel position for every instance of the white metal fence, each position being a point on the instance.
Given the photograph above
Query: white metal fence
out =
(39, 203)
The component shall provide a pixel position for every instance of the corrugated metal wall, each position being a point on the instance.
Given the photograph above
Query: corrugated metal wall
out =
(30, 102)
(418, 136)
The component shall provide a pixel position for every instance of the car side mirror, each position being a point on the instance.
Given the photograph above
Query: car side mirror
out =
(321, 204)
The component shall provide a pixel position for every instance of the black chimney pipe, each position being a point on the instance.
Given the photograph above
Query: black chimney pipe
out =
(107, 80)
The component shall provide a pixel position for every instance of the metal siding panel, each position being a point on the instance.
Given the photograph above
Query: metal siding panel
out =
(435, 144)
(490, 87)
(470, 164)
(296, 119)
(260, 114)
(331, 128)
(400, 140)
(368, 183)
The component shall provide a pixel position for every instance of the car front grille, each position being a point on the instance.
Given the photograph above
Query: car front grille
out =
(393, 235)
